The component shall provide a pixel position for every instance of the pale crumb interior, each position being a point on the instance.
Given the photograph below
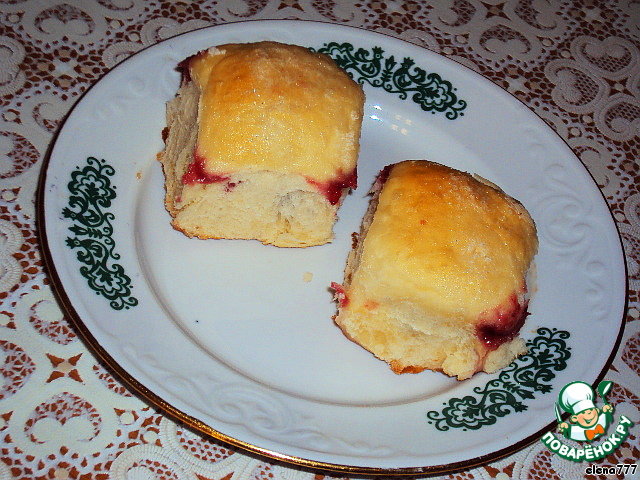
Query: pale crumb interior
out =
(258, 205)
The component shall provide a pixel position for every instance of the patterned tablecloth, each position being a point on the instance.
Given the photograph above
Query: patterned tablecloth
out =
(62, 415)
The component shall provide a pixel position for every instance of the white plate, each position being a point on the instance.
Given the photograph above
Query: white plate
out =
(228, 337)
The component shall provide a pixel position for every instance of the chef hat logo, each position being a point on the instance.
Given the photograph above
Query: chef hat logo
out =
(576, 397)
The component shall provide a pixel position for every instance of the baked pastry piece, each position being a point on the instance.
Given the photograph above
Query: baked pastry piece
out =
(261, 143)
(437, 279)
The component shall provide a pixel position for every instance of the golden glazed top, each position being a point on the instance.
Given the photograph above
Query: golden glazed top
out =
(270, 106)
(455, 245)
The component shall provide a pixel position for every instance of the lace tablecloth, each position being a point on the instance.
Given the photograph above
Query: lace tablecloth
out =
(63, 415)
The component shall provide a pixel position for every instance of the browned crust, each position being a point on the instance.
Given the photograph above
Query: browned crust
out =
(398, 368)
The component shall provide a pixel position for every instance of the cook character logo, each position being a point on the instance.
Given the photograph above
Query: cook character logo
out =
(586, 423)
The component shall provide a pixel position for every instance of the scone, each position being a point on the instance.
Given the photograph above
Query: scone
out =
(262, 141)
(437, 279)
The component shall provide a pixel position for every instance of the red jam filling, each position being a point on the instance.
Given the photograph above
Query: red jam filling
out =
(341, 295)
(503, 324)
(184, 67)
(333, 188)
(383, 175)
(197, 174)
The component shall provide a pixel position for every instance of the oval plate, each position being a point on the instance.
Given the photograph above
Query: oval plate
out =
(232, 338)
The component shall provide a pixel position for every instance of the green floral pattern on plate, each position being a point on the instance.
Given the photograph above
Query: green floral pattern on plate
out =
(529, 374)
(91, 195)
(429, 90)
